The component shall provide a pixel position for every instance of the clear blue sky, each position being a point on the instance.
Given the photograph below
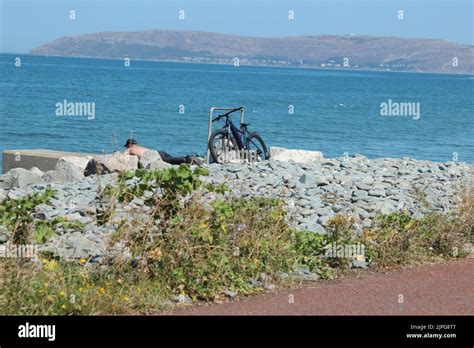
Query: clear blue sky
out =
(25, 24)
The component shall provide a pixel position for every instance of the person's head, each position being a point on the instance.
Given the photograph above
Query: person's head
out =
(130, 142)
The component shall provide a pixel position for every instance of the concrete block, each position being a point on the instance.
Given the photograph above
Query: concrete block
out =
(43, 159)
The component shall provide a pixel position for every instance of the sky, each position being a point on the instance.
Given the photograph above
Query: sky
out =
(25, 24)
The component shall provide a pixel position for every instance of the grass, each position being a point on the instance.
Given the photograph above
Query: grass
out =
(184, 247)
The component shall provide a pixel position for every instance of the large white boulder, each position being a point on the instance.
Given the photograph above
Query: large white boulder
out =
(77, 161)
(105, 164)
(299, 156)
(68, 169)
(152, 160)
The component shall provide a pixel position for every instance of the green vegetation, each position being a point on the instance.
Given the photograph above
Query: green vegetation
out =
(200, 251)
(399, 240)
(18, 215)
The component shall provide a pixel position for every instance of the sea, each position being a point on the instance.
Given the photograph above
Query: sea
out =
(94, 105)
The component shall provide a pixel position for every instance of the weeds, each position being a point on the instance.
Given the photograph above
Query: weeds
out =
(399, 240)
(187, 248)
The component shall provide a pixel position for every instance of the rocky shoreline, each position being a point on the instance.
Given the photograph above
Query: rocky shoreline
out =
(313, 191)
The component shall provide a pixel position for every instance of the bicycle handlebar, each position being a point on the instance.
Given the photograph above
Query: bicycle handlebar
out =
(227, 113)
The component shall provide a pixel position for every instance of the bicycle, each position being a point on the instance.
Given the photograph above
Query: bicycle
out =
(223, 142)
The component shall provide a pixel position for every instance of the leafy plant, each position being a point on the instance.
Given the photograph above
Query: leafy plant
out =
(19, 216)
(310, 248)
(172, 182)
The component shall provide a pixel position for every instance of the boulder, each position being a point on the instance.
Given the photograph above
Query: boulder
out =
(151, 160)
(37, 171)
(387, 207)
(77, 161)
(299, 156)
(64, 172)
(20, 177)
(105, 164)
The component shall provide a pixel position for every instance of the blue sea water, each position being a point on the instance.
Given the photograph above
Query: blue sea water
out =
(335, 112)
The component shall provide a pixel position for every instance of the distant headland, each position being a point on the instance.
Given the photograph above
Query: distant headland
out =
(321, 51)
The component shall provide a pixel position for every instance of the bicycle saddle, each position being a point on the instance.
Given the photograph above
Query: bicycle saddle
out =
(245, 124)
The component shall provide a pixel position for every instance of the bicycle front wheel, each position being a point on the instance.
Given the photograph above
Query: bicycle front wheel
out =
(256, 146)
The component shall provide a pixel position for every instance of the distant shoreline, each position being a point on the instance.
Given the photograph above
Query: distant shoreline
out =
(247, 65)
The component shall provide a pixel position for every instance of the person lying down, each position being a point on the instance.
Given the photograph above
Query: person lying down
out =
(132, 148)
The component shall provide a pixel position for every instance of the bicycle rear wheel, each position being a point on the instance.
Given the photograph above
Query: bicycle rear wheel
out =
(256, 146)
(221, 146)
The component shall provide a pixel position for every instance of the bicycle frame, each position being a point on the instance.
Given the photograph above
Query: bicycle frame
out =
(238, 135)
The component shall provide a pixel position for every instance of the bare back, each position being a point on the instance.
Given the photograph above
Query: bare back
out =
(136, 150)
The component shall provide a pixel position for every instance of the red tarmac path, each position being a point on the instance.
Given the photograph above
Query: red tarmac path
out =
(432, 289)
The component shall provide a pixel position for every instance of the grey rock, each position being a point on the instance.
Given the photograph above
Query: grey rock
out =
(152, 160)
(380, 186)
(377, 193)
(269, 180)
(230, 294)
(16, 193)
(302, 202)
(387, 207)
(183, 299)
(270, 286)
(317, 228)
(363, 186)
(308, 212)
(321, 181)
(233, 168)
(324, 220)
(363, 214)
(360, 194)
(117, 162)
(79, 162)
(303, 270)
(64, 172)
(367, 180)
(366, 223)
(19, 177)
(37, 171)
(359, 263)
(327, 210)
